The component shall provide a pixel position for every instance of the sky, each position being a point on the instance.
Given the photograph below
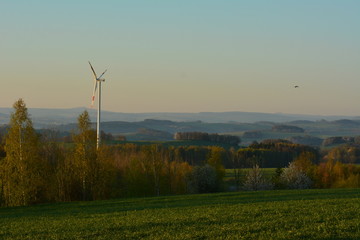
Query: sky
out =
(183, 55)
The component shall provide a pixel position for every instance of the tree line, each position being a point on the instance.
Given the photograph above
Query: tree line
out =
(302, 173)
(37, 168)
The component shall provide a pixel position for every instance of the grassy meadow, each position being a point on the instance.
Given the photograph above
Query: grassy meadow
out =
(286, 214)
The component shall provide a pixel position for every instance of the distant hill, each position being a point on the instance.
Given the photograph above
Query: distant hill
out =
(287, 128)
(310, 129)
(43, 117)
(4, 118)
(120, 127)
(309, 132)
(347, 122)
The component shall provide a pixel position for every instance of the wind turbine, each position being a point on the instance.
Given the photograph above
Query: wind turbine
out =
(96, 81)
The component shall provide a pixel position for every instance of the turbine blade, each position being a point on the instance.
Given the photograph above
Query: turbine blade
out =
(102, 74)
(93, 70)
(93, 96)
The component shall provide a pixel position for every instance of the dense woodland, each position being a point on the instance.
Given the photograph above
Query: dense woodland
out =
(233, 140)
(36, 168)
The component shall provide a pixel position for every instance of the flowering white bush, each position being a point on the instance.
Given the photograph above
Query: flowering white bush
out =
(255, 180)
(294, 178)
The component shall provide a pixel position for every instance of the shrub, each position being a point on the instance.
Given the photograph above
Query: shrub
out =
(255, 180)
(295, 178)
(202, 179)
(276, 179)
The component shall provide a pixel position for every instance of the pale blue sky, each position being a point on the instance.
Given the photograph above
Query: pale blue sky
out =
(183, 55)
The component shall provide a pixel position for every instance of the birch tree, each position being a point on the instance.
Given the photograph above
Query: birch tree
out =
(22, 169)
(85, 155)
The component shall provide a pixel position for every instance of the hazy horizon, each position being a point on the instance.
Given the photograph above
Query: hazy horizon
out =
(201, 112)
(184, 56)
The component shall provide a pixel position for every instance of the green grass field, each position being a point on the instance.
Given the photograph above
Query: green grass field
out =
(305, 214)
(229, 178)
(267, 172)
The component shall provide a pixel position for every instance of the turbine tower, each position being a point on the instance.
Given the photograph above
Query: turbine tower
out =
(97, 80)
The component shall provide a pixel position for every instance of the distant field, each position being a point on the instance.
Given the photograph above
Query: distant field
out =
(268, 172)
(175, 143)
(230, 175)
(229, 179)
(305, 214)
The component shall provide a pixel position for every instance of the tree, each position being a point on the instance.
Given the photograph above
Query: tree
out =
(202, 179)
(2, 155)
(53, 154)
(255, 180)
(178, 173)
(215, 157)
(338, 175)
(85, 155)
(236, 165)
(106, 184)
(66, 176)
(295, 178)
(22, 168)
(154, 155)
(276, 179)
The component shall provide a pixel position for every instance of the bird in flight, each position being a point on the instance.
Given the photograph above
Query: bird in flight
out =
(296, 86)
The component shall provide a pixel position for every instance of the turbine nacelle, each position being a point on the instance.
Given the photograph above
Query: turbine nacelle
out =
(96, 80)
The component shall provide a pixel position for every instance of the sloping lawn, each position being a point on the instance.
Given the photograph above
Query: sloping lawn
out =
(288, 214)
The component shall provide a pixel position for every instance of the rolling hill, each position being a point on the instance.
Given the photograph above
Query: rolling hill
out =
(306, 129)
(44, 117)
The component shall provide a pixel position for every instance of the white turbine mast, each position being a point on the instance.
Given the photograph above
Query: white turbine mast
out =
(97, 80)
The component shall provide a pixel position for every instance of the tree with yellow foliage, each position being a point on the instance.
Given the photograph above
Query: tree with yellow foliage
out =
(22, 170)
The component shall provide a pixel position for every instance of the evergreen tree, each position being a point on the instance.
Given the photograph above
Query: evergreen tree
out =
(22, 169)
